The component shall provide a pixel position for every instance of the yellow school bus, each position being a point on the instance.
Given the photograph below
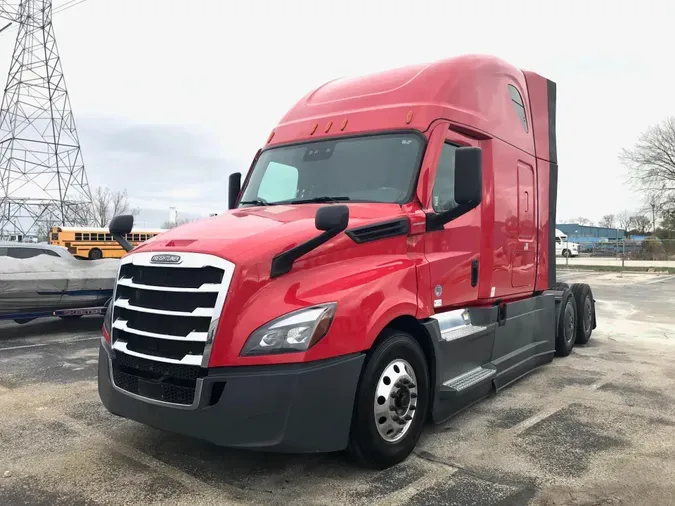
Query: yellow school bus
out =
(95, 243)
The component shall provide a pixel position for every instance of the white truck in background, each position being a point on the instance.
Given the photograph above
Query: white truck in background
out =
(563, 247)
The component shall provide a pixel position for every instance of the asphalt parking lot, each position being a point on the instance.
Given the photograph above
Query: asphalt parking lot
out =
(595, 428)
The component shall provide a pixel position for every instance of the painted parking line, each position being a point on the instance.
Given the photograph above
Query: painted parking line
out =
(660, 279)
(38, 345)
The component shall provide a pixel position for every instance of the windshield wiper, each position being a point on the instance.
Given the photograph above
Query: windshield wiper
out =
(319, 200)
(256, 202)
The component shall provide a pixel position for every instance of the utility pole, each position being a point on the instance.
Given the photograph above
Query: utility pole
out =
(43, 181)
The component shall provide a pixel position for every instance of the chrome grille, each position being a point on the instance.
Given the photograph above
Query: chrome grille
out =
(162, 313)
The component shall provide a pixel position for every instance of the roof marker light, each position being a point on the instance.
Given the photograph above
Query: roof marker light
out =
(344, 124)
(269, 139)
(330, 124)
(408, 117)
(316, 125)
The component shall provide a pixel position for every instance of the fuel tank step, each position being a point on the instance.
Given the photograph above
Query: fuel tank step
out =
(469, 379)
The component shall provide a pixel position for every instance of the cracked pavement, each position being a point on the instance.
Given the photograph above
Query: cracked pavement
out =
(594, 428)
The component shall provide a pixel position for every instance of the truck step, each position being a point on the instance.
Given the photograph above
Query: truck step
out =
(469, 379)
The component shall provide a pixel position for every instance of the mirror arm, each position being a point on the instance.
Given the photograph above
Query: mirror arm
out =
(435, 221)
(126, 245)
(283, 262)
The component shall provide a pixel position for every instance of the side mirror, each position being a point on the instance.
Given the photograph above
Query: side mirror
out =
(468, 176)
(468, 187)
(233, 190)
(332, 218)
(121, 226)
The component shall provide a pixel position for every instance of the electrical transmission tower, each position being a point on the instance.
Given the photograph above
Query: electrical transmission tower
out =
(43, 182)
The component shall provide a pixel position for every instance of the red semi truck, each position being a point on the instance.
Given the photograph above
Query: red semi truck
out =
(388, 260)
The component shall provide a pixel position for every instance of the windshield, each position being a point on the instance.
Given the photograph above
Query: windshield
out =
(377, 168)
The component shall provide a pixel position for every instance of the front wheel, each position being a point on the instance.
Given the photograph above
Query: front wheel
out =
(391, 402)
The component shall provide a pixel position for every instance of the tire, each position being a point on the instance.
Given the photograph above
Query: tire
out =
(583, 297)
(566, 332)
(367, 444)
(566, 253)
(95, 254)
(561, 286)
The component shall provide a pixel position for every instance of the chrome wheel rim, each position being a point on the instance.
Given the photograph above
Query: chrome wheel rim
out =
(395, 400)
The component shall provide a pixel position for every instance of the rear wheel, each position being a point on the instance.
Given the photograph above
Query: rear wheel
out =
(95, 254)
(391, 402)
(583, 297)
(566, 253)
(567, 324)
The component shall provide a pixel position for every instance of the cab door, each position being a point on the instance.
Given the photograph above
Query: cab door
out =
(453, 251)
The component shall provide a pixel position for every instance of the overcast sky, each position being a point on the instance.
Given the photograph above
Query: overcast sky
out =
(171, 96)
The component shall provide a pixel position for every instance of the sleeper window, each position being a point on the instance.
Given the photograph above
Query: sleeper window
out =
(518, 104)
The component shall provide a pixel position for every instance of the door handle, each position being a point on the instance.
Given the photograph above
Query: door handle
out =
(474, 272)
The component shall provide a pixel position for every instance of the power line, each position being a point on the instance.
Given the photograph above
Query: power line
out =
(69, 4)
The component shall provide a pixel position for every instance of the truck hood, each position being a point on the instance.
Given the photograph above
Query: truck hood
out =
(240, 234)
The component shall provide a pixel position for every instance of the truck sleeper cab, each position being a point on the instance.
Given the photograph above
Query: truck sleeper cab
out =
(389, 259)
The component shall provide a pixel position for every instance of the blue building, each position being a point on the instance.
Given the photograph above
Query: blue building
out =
(587, 233)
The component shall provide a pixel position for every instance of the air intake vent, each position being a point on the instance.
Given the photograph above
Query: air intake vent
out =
(399, 226)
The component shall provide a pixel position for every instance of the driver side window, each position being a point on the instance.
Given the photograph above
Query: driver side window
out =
(443, 196)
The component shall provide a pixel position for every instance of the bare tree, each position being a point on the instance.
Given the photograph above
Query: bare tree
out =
(624, 220)
(668, 222)
(583, 221)
(651, 164)
(177, 223)
(47, 220)
(608, 221)
(110, 203)
(641, 223)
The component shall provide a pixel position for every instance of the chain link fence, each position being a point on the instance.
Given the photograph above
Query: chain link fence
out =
(647, 252)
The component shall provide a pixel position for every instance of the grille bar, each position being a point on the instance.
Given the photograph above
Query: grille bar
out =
(200, 311)
(206, 287)
(176, 277)
(186, 360)
(167, 301)
(192, 336)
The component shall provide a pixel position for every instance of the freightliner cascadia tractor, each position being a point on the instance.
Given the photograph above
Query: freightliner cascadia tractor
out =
(388, 260)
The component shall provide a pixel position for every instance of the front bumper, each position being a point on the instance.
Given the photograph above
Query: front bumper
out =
(284, 408)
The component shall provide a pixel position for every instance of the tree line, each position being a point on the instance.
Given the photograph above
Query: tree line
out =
(651, 168)
(651, 172)
(632, 223)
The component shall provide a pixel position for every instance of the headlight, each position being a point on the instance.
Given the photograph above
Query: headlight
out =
(296, 331)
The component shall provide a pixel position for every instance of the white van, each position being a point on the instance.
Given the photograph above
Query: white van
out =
(563, 246)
